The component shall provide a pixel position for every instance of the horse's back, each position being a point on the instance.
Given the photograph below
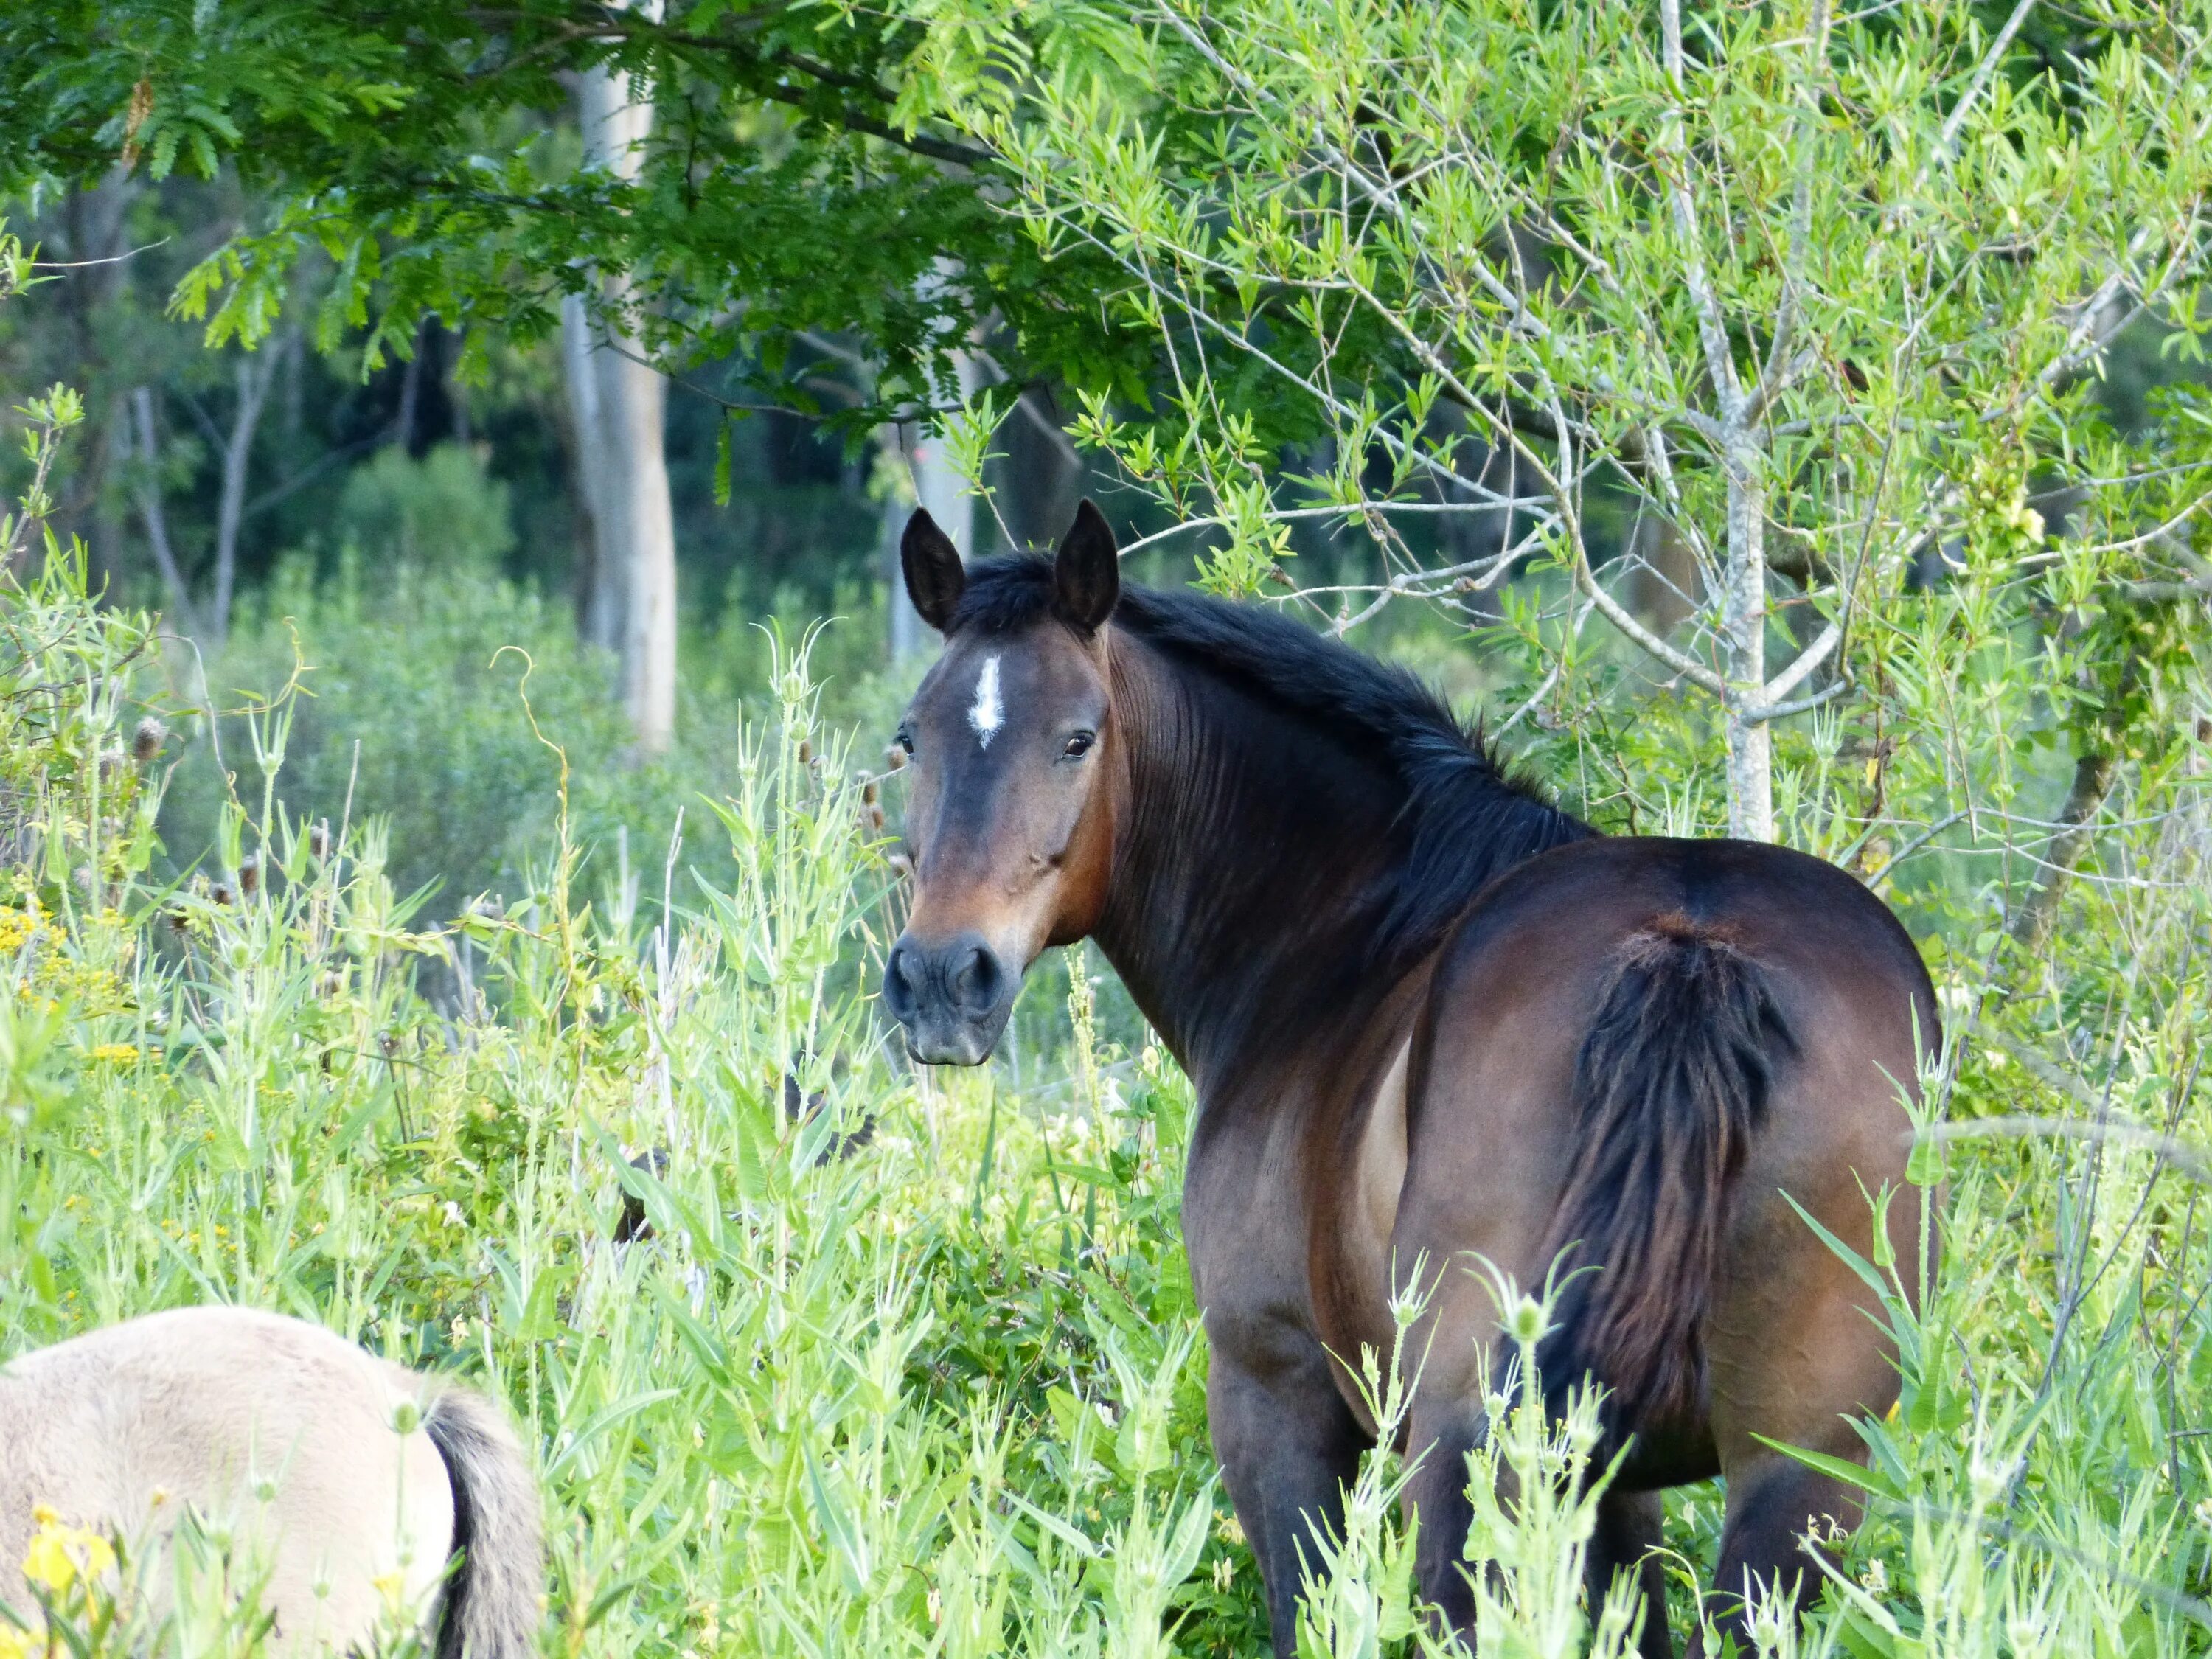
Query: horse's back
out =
(296, 1439)
(1496, 1137)
(1523, 976)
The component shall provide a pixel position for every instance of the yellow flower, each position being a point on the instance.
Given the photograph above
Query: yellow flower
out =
(116, 1053)
(60, 1555)
(19, 927)
(388, 1585)
(16, 1644)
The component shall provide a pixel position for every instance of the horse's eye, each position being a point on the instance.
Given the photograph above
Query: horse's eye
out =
(1079, 745)
(905, 740)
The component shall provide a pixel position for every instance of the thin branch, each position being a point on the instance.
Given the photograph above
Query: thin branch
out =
(1712, 328)
(1985, 68)
(1808, 659)
(2189, 1159)
(1779, 366)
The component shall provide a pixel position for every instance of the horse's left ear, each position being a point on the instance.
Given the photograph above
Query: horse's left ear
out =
(1086, 576)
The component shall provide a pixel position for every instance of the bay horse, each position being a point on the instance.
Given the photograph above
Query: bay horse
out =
(1429, 1018)
(355, 1483)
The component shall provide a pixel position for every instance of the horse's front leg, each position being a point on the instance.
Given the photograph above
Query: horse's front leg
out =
(1287, 1444)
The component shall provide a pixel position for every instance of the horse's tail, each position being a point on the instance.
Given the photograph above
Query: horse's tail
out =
(494, 1602)
(1670, 1086)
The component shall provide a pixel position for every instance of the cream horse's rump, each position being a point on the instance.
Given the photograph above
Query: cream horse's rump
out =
(352, 1480)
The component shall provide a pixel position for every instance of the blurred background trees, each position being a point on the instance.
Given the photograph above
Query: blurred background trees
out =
(1760, 387)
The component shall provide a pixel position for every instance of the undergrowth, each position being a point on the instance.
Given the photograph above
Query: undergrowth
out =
(937, 1389)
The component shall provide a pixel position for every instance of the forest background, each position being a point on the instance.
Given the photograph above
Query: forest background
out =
(1768, 419)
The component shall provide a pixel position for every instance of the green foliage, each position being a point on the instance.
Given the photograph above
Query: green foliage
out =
(1826, 294)
(790, 186)
(946, 1394)
(900, 1410)
(410, 711)
(440, 513)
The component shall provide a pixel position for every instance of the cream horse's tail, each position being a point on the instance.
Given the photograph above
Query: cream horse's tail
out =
(493, 1604)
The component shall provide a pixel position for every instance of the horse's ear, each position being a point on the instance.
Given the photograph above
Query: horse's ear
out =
(1086, 577)
(934, 574)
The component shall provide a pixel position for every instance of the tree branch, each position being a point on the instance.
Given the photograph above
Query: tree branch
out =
(1779, 367)
(1986, 68)
(2093, 781)
(1712, 328)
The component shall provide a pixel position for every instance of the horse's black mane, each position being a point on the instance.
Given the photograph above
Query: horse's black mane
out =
(1467, 818)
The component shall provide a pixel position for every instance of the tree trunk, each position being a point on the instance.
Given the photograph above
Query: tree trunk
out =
(146, 450)
(938, 491)
(599, 601)
(905, 625)
(410, 391)
(633, 401)
(111, 451)
(95, 220)
(619, 405)
(255, 372)
(1040, 474)
(1743, 607)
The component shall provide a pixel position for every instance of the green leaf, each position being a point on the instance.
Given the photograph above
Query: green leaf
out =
(1837, 1468)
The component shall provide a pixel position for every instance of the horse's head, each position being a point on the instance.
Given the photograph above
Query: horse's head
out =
(1009, 820)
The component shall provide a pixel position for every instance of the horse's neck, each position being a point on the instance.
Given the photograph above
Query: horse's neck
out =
(1252, 870)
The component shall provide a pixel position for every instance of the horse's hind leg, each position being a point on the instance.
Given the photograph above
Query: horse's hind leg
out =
(1794, 1354)
(1287, 1444)
(1628, 1528)
(1444, 1431)
(1775, 1503)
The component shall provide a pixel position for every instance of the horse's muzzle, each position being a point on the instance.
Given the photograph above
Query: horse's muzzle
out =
(953, 998)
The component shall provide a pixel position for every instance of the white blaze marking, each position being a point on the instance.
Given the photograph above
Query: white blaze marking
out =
(986, 716)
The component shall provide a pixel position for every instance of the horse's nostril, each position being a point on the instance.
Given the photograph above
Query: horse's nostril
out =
(898, 988)
(975, 985)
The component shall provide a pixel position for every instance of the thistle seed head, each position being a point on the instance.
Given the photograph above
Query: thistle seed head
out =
(222, 892)
(894, 757)
(146, 742)
(318, 838)
(249, 874)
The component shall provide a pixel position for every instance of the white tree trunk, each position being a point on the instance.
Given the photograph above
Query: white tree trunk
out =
(905, 625)
(633, 400)
(938, 491)
(255, 372)
(619, 406)
(600, 609)
(148, 486)
(1743, 611)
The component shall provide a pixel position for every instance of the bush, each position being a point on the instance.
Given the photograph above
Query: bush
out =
(417, 690)
(443, 511)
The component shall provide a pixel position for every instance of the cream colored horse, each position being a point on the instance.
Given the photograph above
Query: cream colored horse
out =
(354, 1482)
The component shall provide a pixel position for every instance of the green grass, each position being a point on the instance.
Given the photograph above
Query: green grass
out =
(944, 1396)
